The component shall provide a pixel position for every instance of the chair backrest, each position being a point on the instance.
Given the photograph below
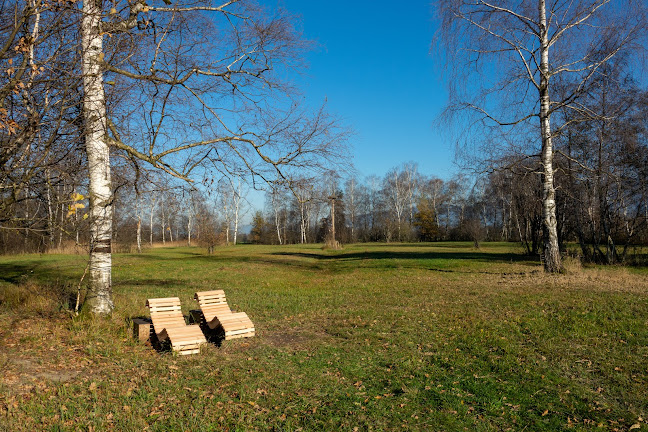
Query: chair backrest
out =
(213, 304)
(165, 313)
(211, 298)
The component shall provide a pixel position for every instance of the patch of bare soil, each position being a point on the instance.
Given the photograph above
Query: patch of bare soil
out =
(296, 332)
(287, 338)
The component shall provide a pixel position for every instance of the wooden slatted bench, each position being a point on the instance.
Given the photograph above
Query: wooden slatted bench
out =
(217, 313)
(169, 324)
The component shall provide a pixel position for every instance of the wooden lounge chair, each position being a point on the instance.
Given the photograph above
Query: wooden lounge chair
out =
(216, 313)
(169, 324)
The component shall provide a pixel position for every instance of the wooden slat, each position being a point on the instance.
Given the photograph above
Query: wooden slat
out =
(234, 326)
(167, 314)
(219, 307)
(159, 319)
(168, 320)
(230, 324)
(158, 316)
(169, 301)
(236, 315)
(159, 309)
(185, 345)
(212, 292)
(164, 304)
(214, 295)
(235, 332)
(239, 335)
(184, 333)
(251, 334)
(227, 319)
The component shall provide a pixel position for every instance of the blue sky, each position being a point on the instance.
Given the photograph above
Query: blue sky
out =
(373, 65)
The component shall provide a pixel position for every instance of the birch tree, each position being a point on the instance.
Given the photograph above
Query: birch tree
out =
(303, 191)
(507, 58)
(230, 200)
(276, 199)
(205, 83)
(351, 205)
(396, 187)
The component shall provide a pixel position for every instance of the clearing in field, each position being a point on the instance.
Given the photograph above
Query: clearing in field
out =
(372, 337)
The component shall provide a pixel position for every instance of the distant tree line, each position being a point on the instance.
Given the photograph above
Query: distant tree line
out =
(603, 211)
(603, 214)
(149, 210)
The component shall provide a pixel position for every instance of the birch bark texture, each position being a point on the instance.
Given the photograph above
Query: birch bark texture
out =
(99, 297)
(551, 249)
(514, 61)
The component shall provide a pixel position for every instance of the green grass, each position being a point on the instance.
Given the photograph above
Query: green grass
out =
(375, 337)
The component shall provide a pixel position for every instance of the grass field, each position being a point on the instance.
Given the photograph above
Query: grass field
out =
(373, 337)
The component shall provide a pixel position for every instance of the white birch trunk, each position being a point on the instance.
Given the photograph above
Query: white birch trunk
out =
(277, 224)
(50, 212)
(236, 195)
(352, 209)
(308, 217)
(189, 230)
(277, 217)
(139, 233)
(302, 224)
(138, 211)
(151, 221)
(61, 223)
(163, 229)
(551, 250)
(99, 297)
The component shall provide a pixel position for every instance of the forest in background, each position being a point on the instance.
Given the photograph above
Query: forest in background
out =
(605, 215)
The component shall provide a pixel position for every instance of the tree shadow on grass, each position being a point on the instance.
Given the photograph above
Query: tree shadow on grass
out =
(149, 282)
(317, 260)
(397, 255)
(29, 270)
(190, 256)
(15, 273)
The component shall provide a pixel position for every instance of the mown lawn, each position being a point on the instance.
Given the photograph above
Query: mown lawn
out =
(373, 337)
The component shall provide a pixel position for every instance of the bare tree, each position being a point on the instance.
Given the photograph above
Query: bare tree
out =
(303, 189)
(514, 53)
(231, 198)
(398, 188)
(39, 127)
(351, 205)
(276, 199)
(193, 98)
